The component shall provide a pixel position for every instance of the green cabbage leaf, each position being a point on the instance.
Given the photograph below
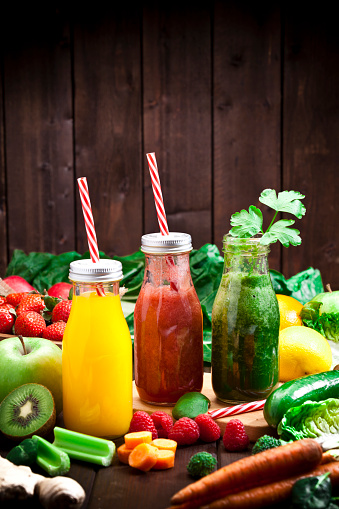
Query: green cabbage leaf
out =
(311, 420)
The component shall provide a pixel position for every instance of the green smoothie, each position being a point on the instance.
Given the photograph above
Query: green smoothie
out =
(245, 333)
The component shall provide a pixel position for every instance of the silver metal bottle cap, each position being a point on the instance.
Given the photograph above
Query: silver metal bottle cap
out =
(175, 242)
(89, 272)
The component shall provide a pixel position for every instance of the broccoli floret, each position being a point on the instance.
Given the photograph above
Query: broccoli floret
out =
(266, 442)
(201, 464)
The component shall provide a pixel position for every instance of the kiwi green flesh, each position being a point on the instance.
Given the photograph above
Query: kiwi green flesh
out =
(27, 410)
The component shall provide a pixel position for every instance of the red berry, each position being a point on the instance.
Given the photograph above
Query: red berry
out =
(163, 423)
(185, 431)
(235, 437)
(141, 421)
(2, 300)
(15, 298)
(7, 319)
(7, 306)
(30, 302)
(61, 311)
(30, 324)
(55, 331)
(209, 430)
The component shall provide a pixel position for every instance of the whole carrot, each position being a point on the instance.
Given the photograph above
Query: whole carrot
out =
(262, 468)
(271, 494)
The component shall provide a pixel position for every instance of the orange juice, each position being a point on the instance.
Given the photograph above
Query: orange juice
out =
(97, 365)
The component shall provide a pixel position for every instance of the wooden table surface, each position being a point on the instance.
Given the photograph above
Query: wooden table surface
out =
(122, 487)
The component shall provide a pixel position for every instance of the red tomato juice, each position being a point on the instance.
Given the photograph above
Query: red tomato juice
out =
(168, 346)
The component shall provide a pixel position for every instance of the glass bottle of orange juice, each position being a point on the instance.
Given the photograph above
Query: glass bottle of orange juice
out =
(97, 368)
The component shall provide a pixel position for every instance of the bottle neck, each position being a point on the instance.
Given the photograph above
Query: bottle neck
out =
(102, 289)
(245, 255)
(165, 268)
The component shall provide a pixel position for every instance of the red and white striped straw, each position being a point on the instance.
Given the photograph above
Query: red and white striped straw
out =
(89, 221)
(89, 224)
(159, 202)
(237, 409)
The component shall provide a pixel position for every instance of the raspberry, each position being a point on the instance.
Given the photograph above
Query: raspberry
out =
(235, 437)
(209, 430)
(185, 431)
(163, 423)
(141, 421)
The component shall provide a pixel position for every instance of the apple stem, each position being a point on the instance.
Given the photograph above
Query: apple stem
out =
(23, 344)
(328, 288)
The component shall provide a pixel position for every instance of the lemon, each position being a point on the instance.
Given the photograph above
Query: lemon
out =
(302, 351)
(289, 309)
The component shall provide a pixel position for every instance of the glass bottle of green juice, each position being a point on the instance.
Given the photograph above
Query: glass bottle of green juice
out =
(245, 325)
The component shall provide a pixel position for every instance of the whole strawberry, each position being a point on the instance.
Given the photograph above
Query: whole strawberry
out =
(61, 311)
(185, 431)
(7, 306)
(235, 437)
(55, 331)
(209, 430)
(141, 421)
(7, 319)
(15, 298)
(30, 302)
(30, 324)
(2, 300)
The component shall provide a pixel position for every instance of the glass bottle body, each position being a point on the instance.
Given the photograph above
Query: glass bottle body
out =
(245, 325)
(168, 331)
(97, 358)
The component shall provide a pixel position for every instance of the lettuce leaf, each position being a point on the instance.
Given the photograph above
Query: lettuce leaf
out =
(310, 420)
(322, 314)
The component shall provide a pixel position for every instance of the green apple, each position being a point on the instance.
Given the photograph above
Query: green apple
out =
(41, 364)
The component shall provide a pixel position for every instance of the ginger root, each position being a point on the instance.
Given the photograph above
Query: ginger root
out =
(20, 483)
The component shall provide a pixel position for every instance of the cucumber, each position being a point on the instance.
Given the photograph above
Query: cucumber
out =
(316, 387)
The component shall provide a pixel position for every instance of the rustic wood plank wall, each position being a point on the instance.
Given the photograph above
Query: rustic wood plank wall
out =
(233, 97)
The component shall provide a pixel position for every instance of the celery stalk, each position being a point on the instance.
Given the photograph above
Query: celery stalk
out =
(51, 458)
(84, 447)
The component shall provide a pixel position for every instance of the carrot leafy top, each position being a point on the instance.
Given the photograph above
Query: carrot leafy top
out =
(248, 224)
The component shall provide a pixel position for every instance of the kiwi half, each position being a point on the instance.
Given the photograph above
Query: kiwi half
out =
(27, 410)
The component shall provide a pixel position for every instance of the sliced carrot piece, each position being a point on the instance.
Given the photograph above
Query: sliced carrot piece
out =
(144, 457)
(123, 453)
(137, 437)
(165, 444)
(165, 459)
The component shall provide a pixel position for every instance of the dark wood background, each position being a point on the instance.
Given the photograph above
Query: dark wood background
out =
(233, 97)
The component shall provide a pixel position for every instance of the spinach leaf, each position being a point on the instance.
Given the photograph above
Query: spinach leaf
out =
(312, 492)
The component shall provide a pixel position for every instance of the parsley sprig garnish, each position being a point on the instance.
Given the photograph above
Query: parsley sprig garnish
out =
(248, 224)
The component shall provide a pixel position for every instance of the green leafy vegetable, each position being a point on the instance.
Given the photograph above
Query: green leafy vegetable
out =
(248, 224)
(311, 420)
(312, 492)
(322, 314)
(303, 286)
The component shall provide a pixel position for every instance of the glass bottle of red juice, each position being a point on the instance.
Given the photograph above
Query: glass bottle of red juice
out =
(168, 327)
